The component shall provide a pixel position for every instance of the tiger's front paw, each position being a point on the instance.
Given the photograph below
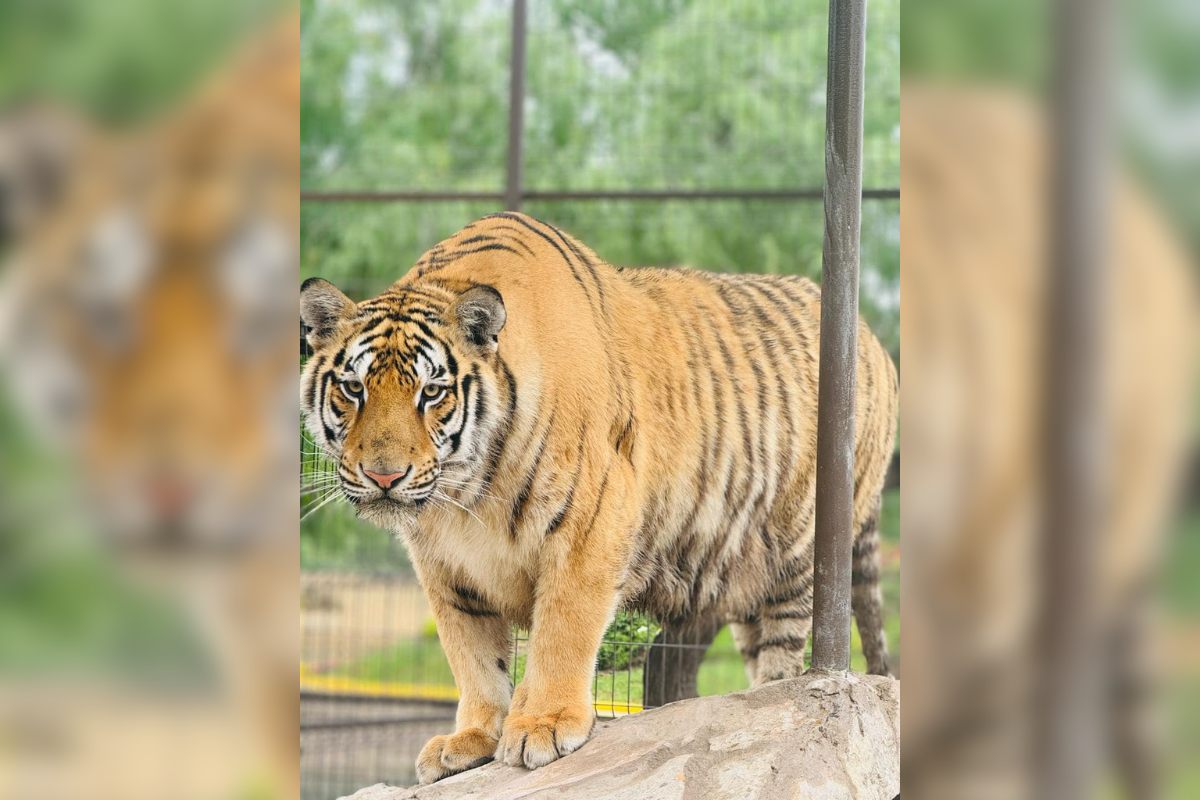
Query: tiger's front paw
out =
(457, 752)
(536, 739)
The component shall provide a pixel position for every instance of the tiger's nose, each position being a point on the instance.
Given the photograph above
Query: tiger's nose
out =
(384, 480)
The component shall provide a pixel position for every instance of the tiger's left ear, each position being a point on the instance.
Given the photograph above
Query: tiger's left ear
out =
(480, 314)
(322, 307)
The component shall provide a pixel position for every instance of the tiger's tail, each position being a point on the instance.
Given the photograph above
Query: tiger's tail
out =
(866, 596)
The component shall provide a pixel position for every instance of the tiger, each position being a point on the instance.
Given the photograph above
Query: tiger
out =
(555, 438)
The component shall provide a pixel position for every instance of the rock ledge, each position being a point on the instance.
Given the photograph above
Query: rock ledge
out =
(819, 736)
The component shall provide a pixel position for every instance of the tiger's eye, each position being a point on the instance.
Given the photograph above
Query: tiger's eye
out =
(354, 387)
(432, 391)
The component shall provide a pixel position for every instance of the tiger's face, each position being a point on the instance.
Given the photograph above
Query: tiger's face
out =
(401, 391)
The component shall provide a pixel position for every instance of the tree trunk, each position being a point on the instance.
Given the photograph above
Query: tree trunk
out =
(671, 668)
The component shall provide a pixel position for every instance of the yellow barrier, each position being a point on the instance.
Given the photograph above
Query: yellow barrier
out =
(340, 684)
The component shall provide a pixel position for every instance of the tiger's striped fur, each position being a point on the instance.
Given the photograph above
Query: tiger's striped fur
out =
(572, 438)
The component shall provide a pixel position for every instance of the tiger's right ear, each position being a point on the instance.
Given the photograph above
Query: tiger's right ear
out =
(322, 307)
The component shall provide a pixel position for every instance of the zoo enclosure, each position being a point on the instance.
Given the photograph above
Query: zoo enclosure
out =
(353, 727)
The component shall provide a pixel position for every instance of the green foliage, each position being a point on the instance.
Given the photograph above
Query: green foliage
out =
(119, 60)
(662, 94)
(630, 629)
(333, 538)
(979, 40)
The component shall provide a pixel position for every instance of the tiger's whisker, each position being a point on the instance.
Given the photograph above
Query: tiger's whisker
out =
(442, 495)
(335, 495)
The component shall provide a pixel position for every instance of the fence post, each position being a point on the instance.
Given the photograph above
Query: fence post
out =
(1070, 650)
(839, 335)
(515, 172)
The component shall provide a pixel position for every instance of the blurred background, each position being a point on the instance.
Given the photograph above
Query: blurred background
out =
(147, 542)
(405, 120)
(987, 132)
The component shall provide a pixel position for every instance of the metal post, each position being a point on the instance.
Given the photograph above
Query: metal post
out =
(839, 334)
(513, 185)
(1069, 649)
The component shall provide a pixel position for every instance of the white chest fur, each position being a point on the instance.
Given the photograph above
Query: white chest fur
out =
(477, 549)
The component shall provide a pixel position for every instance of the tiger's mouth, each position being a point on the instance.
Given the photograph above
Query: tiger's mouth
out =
(388, 508)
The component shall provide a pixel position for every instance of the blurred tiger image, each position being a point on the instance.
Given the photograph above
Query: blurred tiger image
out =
(148, 332)
(975, 277)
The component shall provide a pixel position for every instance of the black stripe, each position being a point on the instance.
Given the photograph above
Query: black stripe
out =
(761, 465)
(517, 240)
(480, 396)
(864, 576)
(472, 602)
(574, 273)
(326, 379)
(599, 502)
(469, 594)
(583, 259)
(791, 643)
(518, 512)
(464, 401)
(865, 546)
(483, 237)
(793, 593)
(684, 570)
(310, 392)
(623, 445)
(441, 263)
(785, 395)
(496, 447)
(784, 288)
(475, 612)
(441, 423)
(727, 481)
(566, 507)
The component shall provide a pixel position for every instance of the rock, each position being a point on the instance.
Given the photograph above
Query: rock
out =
(818, 736)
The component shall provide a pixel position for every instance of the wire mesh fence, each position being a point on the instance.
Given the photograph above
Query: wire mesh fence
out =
(677, 133)
(376, 686)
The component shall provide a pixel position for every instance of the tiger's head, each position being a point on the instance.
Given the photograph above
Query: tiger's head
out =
(405, 392)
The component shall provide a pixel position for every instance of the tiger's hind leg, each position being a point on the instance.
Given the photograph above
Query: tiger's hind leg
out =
(866, 597)
(780, 636)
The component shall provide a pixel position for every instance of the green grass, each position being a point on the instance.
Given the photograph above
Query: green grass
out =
(889, 519)
(1181, 593)
(417, 661)
(1181, 589)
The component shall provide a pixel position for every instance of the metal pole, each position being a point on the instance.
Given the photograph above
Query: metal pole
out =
(784, 195)
(839, 334)
(513, 185)
(1070, 680)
